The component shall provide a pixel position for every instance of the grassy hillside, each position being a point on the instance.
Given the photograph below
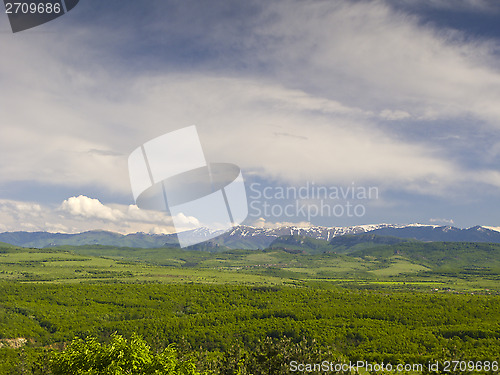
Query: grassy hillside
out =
(351, 243)
(457, 266)
(4, 245)
(300, 244)
(341, 244)
(440, 256)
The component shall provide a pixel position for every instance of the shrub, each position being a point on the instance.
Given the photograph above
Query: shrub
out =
(119, 356)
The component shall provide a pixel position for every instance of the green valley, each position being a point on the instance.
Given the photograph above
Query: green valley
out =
(255, 311)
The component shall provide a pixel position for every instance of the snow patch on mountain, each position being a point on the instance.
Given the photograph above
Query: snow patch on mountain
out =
(319, 232)
(496, 229)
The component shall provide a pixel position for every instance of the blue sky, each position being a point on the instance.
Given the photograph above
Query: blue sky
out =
(396, 95)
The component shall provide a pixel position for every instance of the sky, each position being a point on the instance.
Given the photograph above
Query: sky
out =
(337, 112)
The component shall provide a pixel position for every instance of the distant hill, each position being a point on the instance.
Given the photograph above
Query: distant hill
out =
(440, 256)
(46, 239)
(444, 233)
(300, 244)
(4, 245)
(350, 243)
(342, 245)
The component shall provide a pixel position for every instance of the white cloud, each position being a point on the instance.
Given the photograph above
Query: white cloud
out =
(90, 208)
(395, 115)
(186, 221)
(368, 55)
(442, 221)
(455, 5)
(263, 223)
(79, 214)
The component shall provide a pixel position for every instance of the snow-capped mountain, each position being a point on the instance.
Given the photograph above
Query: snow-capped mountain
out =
(247, 237)
(320, 233)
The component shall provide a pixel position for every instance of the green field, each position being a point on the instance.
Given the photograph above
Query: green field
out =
(230, 311)
(258, 267)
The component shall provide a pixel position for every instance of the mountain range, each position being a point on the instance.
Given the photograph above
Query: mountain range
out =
(246, 237)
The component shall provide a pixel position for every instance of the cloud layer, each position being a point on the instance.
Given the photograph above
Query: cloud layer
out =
(81, 213)
(331, 92)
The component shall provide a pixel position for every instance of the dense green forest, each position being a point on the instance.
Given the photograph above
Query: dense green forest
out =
(248, 312)
(378, 326)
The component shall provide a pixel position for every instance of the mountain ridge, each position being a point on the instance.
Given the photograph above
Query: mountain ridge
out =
(248, 237)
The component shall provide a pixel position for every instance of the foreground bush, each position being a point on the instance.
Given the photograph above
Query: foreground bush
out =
(119, 356)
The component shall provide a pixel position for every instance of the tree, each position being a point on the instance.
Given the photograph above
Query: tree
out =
(119, 356)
